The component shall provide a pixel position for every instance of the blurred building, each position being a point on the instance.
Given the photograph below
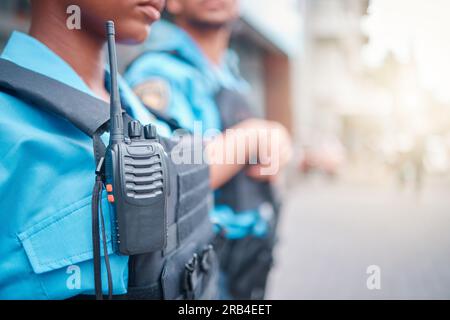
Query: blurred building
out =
(331, 68)
(269, 42)
(341, 109)
(380, 115)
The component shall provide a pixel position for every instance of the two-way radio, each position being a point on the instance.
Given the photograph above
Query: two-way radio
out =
(136, 176)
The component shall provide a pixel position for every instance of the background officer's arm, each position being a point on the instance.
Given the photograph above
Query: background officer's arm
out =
(267, 141)
(162, 95)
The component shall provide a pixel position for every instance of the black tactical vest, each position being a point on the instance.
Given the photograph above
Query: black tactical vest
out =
(187, 268)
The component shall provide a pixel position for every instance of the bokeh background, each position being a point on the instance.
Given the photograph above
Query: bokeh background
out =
(363, 86)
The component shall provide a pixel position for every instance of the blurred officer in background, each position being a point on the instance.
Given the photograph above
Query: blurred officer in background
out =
(188, 72)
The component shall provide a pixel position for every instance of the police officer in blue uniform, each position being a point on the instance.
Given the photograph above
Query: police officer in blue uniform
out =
(47, 166)
(188, 72)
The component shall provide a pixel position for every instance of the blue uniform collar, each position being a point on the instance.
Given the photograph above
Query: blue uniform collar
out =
(167, 37)
(32, 54)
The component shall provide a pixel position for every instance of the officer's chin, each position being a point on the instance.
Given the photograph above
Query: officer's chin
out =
(136, 36)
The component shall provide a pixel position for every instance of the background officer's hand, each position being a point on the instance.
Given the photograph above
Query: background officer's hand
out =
(264, 145)
(274, 150)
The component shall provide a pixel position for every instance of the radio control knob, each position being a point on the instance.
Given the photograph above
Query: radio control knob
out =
(134, 129)
(150, 131)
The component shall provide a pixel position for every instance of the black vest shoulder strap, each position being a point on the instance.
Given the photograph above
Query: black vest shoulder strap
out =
(86, 112)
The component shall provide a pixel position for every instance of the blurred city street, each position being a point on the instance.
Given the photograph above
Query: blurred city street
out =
(332, 232)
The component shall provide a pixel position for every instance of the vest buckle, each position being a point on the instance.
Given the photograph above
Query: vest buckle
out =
(191, 276)
(205, 263)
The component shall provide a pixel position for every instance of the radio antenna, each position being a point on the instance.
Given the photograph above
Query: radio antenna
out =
(116, 122)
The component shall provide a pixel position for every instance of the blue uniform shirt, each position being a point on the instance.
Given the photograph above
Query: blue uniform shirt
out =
(188, 84)
(46, 179)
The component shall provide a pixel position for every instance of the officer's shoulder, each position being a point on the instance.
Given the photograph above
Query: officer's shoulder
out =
(23, 117)
(14, 126)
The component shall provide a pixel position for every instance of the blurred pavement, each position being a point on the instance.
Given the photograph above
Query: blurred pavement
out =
(332, 232)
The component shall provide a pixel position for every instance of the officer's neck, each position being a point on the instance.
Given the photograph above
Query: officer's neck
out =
(212, 41)
(82, 51)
